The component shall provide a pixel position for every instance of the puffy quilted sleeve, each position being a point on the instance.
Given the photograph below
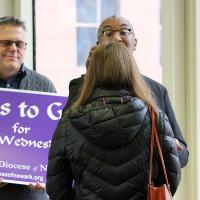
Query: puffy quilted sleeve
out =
(59, 174)
(170, 153)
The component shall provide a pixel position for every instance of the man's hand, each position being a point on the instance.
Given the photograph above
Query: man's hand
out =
(36, 187)
(31, 186)
(1, 183)
(178, 145)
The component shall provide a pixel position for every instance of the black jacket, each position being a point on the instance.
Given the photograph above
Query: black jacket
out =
(104, 147)
(160, 94)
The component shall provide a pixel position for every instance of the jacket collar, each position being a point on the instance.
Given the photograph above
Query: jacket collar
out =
(107, 92)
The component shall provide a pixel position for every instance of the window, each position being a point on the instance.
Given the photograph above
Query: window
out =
(66, 30)
(83, 45)
(89, 14)
(86, 11)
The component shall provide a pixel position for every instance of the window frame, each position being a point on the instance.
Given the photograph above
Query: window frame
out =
(181, 63)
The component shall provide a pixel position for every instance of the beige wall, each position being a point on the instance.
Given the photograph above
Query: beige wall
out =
(192, 95)
(181, 76)
(174, 65)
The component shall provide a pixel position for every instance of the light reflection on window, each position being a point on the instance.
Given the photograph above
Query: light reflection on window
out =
(86, 38)
(86, 10)
(113, 8)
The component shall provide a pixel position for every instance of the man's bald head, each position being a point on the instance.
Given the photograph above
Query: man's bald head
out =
(117, 29)
(114, 18)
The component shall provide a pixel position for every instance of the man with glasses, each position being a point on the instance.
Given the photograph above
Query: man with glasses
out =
(14, 74)
(119, 29)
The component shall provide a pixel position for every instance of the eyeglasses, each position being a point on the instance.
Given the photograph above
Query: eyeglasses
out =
(8, 43)
(125, 32)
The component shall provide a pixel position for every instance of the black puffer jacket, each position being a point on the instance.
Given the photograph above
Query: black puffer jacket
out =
(104, 148)
(159, 93)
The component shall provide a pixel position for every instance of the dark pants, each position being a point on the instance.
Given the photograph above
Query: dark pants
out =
(21, 192)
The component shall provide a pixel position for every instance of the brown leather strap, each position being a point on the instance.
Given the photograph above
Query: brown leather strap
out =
(154, 135)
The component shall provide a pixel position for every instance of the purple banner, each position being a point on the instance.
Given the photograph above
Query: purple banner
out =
(27, 123)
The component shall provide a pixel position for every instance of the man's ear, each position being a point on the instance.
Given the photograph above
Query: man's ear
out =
(135, 43)
(97, 42)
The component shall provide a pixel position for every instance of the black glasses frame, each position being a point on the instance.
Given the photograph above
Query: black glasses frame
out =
(120, 32)
(9, 43)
